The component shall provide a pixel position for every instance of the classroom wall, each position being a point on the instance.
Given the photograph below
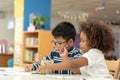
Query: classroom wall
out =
(116, 30)
(5, 33)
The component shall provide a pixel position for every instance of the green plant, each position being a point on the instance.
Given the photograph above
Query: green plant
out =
(40, 20)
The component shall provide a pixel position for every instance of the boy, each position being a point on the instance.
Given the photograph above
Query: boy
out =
(64, 35)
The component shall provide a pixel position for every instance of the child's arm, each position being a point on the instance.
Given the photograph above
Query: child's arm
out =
(64, 55)
(32, 67)
(66, 65)
(76, 71)
(37, 64)
(28, 67)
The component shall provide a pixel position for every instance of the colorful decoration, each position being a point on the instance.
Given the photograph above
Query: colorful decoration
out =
(84, 15)
(68, 16)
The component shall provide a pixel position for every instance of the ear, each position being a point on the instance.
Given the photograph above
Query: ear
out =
(70, 41)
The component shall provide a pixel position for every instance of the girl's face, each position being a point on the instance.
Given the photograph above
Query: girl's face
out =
(84, 42)
(59, 43)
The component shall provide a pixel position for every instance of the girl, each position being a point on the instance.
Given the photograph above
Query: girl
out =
(96, 40)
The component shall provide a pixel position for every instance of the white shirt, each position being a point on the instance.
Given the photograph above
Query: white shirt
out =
(96, 65)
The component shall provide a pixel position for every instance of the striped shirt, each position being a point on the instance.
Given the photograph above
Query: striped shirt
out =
(73, 53)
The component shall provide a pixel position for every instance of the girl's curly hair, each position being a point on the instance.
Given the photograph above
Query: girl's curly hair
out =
(99, 35)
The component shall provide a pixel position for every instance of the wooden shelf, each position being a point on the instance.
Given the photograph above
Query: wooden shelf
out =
(29, 61)
(6, 54)
(27, 32)
(41, 39)
(31, 46)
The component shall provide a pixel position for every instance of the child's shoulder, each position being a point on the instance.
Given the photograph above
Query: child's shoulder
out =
(54, 52)
(75, 51)
(95, 52)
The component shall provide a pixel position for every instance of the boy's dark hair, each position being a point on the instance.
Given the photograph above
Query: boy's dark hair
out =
(99, 35)
(65, 30)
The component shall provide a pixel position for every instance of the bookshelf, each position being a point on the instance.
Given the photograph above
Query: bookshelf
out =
(37, 45)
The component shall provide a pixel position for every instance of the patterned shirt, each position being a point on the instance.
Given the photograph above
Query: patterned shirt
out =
(73, 53)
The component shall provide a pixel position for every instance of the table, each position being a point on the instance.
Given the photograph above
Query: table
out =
(20, 74)
(4, 59)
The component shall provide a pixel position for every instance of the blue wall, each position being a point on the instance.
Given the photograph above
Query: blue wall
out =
(37, 6)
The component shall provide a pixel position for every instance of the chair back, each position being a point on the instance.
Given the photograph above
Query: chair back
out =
(113, 67)
(10, 62)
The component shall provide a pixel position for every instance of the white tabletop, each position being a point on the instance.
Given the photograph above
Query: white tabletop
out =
(20, 74)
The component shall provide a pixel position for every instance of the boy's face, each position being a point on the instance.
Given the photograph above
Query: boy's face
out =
(60, 43)
(84, 42)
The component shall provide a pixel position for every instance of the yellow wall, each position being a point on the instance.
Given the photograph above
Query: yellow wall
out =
(18, 8)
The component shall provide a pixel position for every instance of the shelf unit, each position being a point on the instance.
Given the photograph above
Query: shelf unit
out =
(37, 45)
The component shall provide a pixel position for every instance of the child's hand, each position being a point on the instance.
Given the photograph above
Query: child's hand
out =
(28, 67)
(42, 69)
(64, 53)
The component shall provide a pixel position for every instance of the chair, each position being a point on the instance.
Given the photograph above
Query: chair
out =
(113, 67)
(10, 62)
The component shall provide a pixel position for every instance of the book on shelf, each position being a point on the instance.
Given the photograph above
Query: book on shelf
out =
(31, 41)
(30, 55)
